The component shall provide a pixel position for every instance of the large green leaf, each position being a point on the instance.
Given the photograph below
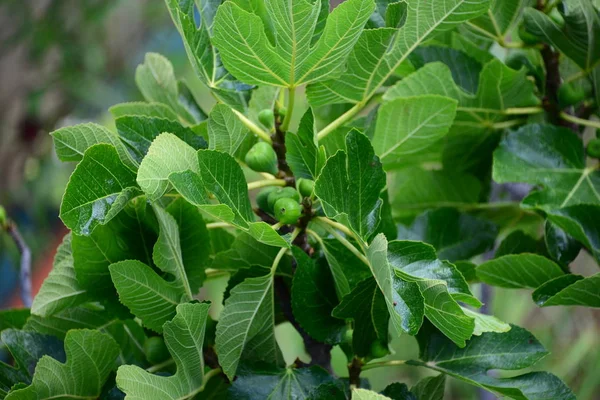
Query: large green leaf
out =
(246, 328)
(167, 155)
(156, 80)
(60, 290)
(350, 186)
(292, 60)
(569, 290)
(98, 190)
(218, 174)
(303, 154)
(364, 394)
(346, 268)
(90, 359)
(268, 382)
(550, 156)
(455, 236)
(430, 388)
(578, 39)
(379, 52)
(71, 142)
(184, 337)
(138, 132)
(413, 190)
(500, 18)
(441, 286)
(518, 271)
(403, 299)
(194, 239)
(226, 132)
(129, 236)
(313, 300)
(513, 350)
(425, 121)
(581, 222)
(367, 306)
(26, 348)
(142, 109)
(245, 252)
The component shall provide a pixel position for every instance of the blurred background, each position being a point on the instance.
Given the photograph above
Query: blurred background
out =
(64, 62)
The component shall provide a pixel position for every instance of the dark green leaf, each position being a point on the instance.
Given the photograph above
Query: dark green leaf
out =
(581, 222)
(513, 350)
(398, 391)
(561, 247)
(518, 271)
(313, 300)
(455, 236)
(303, 155)
(569, 290)
(430, 388)
(346, 268)
(518, 242)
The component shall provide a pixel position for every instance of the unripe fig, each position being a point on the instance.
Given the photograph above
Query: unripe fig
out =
(287, 211)
(570, 94)
(267, 118)
(281, 193)
(379, 349)
(527, 37)
(262, 158)
(305, 187)
(348, 336)
(593, 148)
(282, 112)
(263, 196)
(155, 349)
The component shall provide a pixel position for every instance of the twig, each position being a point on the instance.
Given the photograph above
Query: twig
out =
(354, 371)
(25, 271)
(266, 183)
(381, 364)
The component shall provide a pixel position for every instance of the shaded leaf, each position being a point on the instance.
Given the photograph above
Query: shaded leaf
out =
(430, 388)
(303, 154)
(569, 290)
(581, 222)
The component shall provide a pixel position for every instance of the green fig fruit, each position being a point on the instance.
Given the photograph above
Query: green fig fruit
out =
(267, 118)
(570, 94)
(287, 211)
(262, 158)
(306, 187)
(379, 349)
(593, 148)
(263, 196)
(281, 193)
(155, 349)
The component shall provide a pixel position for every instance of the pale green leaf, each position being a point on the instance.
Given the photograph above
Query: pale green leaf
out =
(518, 271)
(246, 328)
(99, 189)
(363, 394)
(156, 110)
(60, 290)
(167, 155)
(184, 337)
(379, 52)
(90, 359)
(425, 121)
(486, 323)
(292, 60)
(71, 142)
(227, 134)
(500, 18)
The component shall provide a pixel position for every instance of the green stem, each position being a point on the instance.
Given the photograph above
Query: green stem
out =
(283, 250)
(347, 116)
(507, 111)
(253, 127)
(161, 366)
(347, 244)
(392, 363)
(216, 225)
(266, 183)
(285, 125)
(208, 376)
(336, 225)
(580, 121)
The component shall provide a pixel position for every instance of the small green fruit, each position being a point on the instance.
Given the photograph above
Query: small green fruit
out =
(267, 118)
(593, 148)
(305, 187)
(282, 112)
(263, 196)
(155, 349)
(379, 349)
(527, 37)
(281, 193)
(287, 211)
(348, 336)
(262, 158)
(570, 94)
